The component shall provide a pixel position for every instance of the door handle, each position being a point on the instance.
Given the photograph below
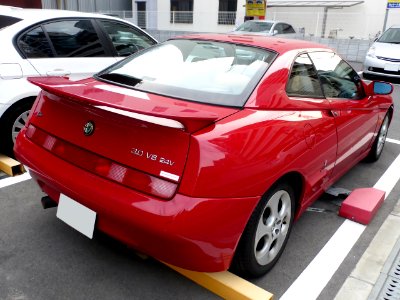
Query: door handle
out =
(334, 113)
(58, 72)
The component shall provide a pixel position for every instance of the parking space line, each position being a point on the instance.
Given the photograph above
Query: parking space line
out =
(317, 274)
(393, 141)
(13, 180)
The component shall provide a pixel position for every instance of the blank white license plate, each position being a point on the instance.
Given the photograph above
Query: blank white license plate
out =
(76, 215)
(391, 67)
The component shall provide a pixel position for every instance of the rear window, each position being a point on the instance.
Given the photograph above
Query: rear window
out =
(195, 70)
(7, 21)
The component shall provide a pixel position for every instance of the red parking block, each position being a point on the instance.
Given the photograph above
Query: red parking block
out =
(362, 204)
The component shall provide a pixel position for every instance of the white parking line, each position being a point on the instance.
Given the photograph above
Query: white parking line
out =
(393, 141)
(13, 180)
(316, 276)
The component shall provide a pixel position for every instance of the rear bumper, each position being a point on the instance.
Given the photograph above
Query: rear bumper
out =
(199, 234)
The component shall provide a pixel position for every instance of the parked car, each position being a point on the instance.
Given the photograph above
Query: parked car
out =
(383, 58)
(265, 27)
(202, 150)
(39, 42)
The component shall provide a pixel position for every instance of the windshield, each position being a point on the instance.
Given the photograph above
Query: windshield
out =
(7, 21)
(255, 27)
(392, 35)
(194, 70)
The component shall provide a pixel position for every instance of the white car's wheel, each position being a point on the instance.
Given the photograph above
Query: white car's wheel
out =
(11, 124)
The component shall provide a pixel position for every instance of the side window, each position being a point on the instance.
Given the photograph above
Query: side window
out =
(303, 79)
(34, 44)
(288, 28)
(338, 78)
(7, 21)
(74, 38)
(126, 39)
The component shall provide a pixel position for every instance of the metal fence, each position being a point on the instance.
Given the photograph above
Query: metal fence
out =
(226, 17)
(182, 17)
(123, 14)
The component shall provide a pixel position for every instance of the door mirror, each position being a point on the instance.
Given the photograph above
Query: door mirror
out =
(382, 88)
(275, 32)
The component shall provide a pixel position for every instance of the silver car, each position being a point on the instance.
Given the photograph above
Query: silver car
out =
(266, 28)
(383, 58)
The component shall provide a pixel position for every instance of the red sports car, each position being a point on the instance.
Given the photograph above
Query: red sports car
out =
(201, 151)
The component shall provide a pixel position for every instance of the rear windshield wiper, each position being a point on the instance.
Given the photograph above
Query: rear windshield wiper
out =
(120, 78)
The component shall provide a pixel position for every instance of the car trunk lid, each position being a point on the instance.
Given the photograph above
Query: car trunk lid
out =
(146, 132)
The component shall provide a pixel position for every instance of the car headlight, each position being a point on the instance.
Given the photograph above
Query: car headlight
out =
(371, 52)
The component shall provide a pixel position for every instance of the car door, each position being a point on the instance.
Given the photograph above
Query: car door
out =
(319, 129)
(356, 115)
(66, 47)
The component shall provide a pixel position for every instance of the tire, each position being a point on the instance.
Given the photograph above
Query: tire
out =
(266, 233)
(377, 147)
(11, 123)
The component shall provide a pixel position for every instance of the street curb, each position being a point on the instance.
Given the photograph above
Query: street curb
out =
(369, 275)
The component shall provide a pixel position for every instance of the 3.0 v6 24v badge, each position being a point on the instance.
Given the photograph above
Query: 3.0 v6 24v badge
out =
(152, 156)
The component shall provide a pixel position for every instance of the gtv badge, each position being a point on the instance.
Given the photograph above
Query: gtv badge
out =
(88, 128)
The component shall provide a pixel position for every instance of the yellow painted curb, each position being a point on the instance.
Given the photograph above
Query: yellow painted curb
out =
(226, 285)
(10, 166)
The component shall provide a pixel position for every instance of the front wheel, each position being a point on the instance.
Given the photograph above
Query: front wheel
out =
(266, 233)
(379, 143)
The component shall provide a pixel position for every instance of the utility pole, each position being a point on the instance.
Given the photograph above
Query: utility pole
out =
(386, 17)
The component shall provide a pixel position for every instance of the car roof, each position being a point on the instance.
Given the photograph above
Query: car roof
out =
(36, 15)
(264, 21)
(276, 44)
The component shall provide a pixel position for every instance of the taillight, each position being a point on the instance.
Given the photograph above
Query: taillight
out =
(101, 166)
(150, 184)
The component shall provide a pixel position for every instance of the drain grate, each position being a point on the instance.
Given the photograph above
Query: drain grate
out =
(395, 271)
(390, 290)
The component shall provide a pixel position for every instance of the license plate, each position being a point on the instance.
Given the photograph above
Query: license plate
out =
(76, 215)
(391, 67)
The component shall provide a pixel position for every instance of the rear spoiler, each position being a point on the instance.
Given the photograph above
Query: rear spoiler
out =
(116, 99)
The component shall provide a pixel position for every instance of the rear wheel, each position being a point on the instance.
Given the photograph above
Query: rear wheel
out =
(379, 143)
(11, 124)
(266, 233)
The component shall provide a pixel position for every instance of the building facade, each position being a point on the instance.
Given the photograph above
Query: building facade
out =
(360, 19)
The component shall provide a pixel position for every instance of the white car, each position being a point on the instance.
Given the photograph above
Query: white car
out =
(266, 27)
(39, 42)
(383, 58)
